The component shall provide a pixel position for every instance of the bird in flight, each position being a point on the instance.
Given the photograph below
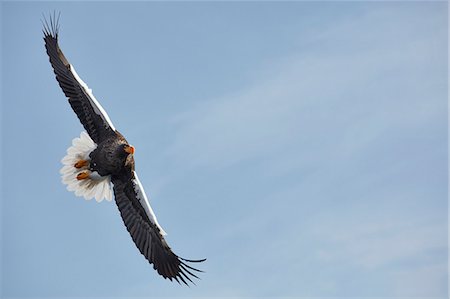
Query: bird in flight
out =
(100, 163)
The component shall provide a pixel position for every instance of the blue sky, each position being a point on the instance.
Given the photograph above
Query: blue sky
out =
(300, 146)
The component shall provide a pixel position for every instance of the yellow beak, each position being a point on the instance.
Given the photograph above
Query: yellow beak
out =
(129, 149)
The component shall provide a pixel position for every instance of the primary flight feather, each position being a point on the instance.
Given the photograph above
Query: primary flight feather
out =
(102, 157)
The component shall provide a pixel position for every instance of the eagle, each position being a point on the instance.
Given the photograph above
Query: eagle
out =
(100, 162)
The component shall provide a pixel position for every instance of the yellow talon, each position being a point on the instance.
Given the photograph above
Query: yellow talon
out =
(82, 175)
(81, 163)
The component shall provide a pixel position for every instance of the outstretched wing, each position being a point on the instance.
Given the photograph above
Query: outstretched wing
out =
(91, 114)
(145, 231)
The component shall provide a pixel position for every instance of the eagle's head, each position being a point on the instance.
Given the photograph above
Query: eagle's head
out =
(126, 152)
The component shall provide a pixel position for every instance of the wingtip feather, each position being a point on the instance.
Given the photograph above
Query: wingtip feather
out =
(51, 27)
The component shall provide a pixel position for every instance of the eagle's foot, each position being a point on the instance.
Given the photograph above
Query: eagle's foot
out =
(82, 175)
(81, 163)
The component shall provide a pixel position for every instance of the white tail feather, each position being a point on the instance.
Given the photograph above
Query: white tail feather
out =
(95, 186)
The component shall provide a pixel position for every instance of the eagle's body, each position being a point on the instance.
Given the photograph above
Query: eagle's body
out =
(102, 157)
(109, 157)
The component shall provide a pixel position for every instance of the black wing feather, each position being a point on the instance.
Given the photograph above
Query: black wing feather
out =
(82, 104)
(146, 234)
(143, 231)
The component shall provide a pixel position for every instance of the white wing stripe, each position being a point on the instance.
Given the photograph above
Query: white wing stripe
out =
(143, 200)
(89, 92)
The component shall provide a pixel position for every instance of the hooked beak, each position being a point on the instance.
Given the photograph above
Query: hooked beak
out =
(129, 149)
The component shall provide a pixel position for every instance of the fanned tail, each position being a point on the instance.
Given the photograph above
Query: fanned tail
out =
(94, 186)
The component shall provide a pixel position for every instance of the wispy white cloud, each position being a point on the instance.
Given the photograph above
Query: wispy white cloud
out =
(318, 102)
(371, 244)
(341, 116)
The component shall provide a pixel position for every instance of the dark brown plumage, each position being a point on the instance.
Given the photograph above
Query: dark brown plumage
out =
(113, 157)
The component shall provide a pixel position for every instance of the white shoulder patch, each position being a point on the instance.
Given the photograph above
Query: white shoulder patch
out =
(91, 95)
(143, 200)
(95, 186)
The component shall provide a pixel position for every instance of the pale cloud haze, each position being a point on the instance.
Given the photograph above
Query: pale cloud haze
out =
(301, 147)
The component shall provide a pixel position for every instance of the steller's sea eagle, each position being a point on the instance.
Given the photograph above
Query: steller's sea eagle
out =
(103, 156)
